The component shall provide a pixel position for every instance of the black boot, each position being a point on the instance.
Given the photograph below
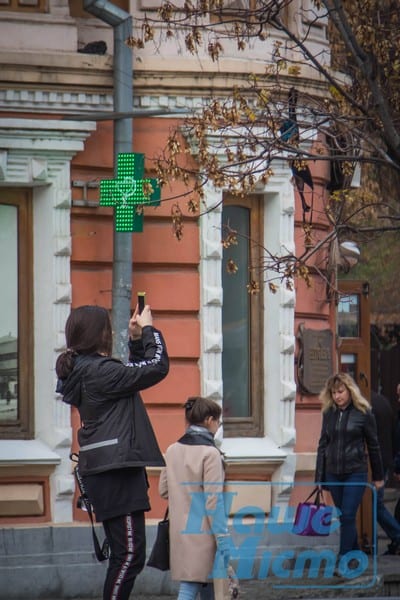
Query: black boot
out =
(393, 549)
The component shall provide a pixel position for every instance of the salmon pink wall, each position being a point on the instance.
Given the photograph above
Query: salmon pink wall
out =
(167, 269)
(313, 309)
(309, 421)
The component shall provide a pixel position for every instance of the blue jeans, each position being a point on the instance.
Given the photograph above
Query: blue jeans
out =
(347, 499)
(188, 590)
(385, 519)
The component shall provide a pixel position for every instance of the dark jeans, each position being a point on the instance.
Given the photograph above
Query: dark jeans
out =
(127, 539)
(347, 499)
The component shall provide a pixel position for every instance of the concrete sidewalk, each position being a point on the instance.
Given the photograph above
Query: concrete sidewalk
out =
(62, 576)
(373, 584)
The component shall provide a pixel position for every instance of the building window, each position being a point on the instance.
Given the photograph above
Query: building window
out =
(348, 316)
(242, 322)
(246, 12)
(16, 315)
(24, 5)
(76, 9)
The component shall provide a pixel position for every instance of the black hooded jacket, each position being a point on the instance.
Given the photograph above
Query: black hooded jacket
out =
(115, 429)
(345, 436)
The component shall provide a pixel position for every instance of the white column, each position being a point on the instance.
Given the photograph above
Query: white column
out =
(37, 154)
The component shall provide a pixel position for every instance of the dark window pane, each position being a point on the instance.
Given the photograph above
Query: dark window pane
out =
(349, 316)
(32, 6)
(236, 317)
(348, 364)
(9, 313)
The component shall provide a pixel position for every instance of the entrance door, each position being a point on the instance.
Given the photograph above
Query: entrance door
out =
(353, 325)
(354, 356)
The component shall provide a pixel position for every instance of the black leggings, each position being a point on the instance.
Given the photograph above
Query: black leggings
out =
(127, 538)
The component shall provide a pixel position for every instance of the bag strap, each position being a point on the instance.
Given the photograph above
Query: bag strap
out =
(166, 514)
(102, 552)
(319, 496)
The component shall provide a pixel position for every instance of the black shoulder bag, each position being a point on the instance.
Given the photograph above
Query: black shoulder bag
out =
(159, 555)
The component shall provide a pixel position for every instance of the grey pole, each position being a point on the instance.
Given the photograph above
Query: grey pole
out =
(121, 21)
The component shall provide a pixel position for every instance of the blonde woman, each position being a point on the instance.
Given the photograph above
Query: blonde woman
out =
(348, 429)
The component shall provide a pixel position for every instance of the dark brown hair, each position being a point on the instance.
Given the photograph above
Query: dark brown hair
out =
(87, 330)
(197, 409)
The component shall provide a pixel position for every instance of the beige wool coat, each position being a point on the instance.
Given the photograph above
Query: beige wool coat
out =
(190, 469)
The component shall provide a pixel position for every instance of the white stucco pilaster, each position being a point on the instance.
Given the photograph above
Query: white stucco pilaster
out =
(211, 296)
(37, 154)
(277, 444)
(279, 337)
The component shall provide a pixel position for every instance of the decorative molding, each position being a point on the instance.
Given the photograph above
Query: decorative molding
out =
(54, 101)
(19, 499)
(3, 165)
(249, 467)
(38, 169)
(63, 293)
(64, 102)
(62, 246)
(279, 408)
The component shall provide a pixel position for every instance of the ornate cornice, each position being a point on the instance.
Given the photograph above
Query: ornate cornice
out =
(30, 147)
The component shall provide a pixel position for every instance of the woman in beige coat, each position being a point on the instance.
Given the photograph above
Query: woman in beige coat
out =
(193, 483)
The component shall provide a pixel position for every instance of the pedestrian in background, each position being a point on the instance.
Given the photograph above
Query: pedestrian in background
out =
(396, 441)
(396, 472)
(116, 438)
(385, 424)
(348, 427)
(192, 481)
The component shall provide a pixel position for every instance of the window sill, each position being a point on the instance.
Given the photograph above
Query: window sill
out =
(251, 454)
(26, 452)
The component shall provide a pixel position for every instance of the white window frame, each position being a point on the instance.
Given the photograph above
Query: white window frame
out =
(277, 445)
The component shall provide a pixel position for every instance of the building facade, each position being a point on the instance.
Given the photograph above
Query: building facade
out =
(57, 253)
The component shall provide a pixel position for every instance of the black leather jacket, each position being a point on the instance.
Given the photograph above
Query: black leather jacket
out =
(345, 437)
(115, 429)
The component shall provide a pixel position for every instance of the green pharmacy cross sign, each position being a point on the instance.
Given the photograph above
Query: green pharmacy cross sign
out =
(129, 192)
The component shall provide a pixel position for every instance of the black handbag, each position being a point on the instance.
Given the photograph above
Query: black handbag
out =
(159, 555)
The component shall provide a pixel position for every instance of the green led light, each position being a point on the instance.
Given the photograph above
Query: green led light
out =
(126, 192)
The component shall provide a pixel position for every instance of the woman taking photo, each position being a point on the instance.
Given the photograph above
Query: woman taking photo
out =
(116, 438)
(348, 429)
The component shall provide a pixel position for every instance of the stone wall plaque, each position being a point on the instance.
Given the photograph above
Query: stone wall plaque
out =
(315, 361)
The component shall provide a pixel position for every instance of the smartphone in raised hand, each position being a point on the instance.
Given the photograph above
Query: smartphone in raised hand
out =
(141, 300)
